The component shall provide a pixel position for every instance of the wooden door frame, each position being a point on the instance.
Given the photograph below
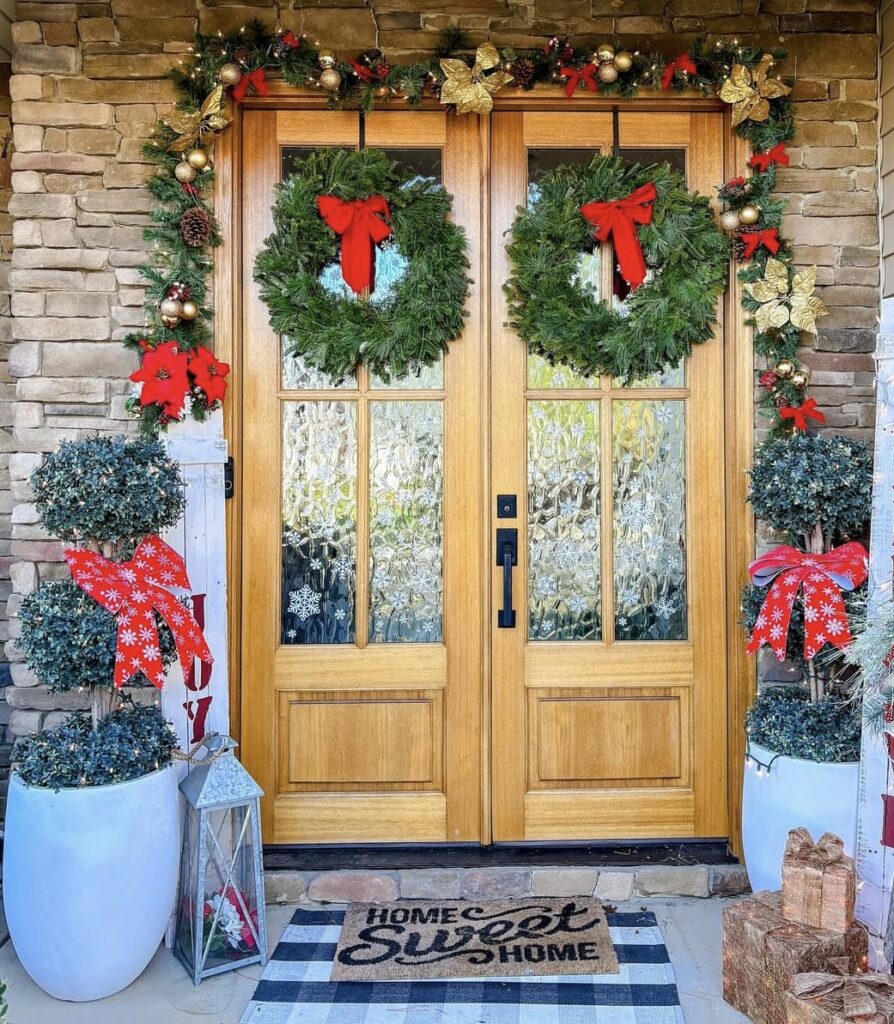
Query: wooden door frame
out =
(739, 383)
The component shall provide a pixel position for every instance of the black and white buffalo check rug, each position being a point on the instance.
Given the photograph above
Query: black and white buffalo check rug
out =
(295, 986)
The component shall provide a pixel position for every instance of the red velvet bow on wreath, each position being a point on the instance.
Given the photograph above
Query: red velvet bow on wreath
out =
(682, 62)
(134, 591)
(821, 578)
(362, 225)
(753, 240)
(618, 220)
(251, 82)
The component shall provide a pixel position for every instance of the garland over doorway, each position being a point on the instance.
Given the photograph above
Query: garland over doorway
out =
(179, 374)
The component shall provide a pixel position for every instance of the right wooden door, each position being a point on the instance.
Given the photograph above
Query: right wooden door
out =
(609, 695)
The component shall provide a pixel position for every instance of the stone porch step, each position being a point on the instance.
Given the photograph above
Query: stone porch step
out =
(458, 883)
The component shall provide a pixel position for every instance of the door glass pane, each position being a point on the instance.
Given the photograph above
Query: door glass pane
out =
(563, 521)
(319, 513)
(664, 155)
(406, 485)
(666, 378)
(649, 520)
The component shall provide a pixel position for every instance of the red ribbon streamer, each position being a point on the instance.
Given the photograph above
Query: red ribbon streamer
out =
(821, 578)
(255, 80)
(133, 591)
(366, 73)
(682, 62)
(362, 225)
(763, 161)
(800, 414)
(618, 220)
(753, 240)
(574, 76)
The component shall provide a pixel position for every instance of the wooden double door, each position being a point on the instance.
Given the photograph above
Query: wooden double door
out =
(381, 700)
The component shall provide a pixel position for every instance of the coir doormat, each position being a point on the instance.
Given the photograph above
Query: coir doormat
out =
(412, 940)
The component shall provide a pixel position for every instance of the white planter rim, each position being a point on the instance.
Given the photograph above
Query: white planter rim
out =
(791, 757)
(15, 779)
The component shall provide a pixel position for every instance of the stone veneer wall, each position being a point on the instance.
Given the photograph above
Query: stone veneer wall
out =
(89, 84)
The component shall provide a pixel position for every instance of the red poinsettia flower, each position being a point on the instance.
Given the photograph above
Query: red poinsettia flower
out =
(209, 374)
(164, 377)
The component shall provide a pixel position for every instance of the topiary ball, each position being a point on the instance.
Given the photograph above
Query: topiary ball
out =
(800, 480)
(783, 720)
(108, 488)
(69, 640)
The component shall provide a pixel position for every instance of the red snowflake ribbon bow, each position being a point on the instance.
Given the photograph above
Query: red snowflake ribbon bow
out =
(682, 62)
(764, 161)
(362, 225)
(133, 591)
(821, 579)
(619, 220)
(574, 76)
(753, 240)
(368, 74)
(800, 414)
(256, 81)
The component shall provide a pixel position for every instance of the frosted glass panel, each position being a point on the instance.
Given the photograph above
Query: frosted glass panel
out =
(667, 378)
(426, 377)
(406, 484)
(298, 374)
(648, 455)
(563, 521)
(319, 516)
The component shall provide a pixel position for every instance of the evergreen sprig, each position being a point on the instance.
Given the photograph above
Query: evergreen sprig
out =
(425, 311)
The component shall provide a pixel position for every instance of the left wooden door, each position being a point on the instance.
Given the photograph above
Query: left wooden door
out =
(362, 543)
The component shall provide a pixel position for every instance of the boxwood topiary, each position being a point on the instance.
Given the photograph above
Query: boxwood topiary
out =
(799, 481)
(131, 742)
(784, 720)
(108, 489)
(69, 640)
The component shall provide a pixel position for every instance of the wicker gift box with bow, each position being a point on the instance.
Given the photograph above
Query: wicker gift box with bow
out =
(840, 997)
(818, 882)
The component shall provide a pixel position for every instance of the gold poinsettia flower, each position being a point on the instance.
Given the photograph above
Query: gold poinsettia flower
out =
(782, 303)
(470, 88)
(194, 126)
(750, 90)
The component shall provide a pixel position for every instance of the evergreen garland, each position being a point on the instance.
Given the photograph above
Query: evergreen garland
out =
(661, 320)
(413, 324)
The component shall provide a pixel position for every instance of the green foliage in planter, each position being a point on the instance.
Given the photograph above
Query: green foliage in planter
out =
(108, 488)
(783, 720)
(69, 640)
(800, 480)
(854, 602)
(129, 743)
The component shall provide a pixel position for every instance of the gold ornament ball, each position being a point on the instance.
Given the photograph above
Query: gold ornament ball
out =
(623, 60)
(326, 58)
(330, 79)
(189, 310)
(749, 214)
(729, 220)
(800, 378)
(605, 52)
(382, 92)
(185, 172)
(784, 368)
(171, 309)
(230, 74)
(607, 73)
(197, 158)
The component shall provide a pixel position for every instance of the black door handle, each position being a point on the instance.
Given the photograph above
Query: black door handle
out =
(507, 556)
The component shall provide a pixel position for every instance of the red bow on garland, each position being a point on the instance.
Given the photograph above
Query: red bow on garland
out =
(361, 224)
(763, 161)
(574, 77)
(134, 591)
(682, 62)
(800, 414)
(822, 578)
(256, 81)
(618, 220)
(290, 40)
(368, 74)
(753, 240)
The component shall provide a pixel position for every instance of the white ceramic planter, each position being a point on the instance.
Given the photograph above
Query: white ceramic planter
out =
(89, 880)
(820, 796)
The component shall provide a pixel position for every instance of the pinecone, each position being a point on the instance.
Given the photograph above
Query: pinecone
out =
(734, 190)
(523, 71)
(243, 55)
(195, 226)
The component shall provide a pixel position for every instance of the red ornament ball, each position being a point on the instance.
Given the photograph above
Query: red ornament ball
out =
(768, 380)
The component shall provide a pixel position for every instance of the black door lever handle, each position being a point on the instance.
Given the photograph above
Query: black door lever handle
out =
(507, 556)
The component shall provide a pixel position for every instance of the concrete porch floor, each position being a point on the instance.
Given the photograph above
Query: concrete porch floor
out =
(164, 994)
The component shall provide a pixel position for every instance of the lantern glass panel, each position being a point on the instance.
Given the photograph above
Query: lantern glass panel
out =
(189, 887)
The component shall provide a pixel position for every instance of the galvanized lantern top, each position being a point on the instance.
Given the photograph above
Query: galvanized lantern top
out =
(222, 780)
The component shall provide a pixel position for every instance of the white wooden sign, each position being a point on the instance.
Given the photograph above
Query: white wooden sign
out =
(875, 862)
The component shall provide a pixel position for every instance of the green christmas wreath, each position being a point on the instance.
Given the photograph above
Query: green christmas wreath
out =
(334, 330)
(657, 323)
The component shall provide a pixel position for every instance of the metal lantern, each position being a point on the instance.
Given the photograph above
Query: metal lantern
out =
(220, 918)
